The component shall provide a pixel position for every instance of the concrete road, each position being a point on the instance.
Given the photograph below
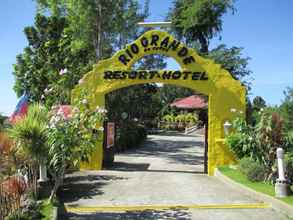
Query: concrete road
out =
(166, 170)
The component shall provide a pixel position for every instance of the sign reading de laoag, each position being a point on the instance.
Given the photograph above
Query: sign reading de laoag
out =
(154, 74)
(155, 43)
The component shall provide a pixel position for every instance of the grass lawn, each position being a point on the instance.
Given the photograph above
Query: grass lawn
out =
(47, 210)
(268, 189)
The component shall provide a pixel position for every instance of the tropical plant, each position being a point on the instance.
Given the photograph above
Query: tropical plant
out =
(30, 134)
(8, 158)
(169, 118)
(72, 139)
(190, 119)
(258, 143)
(269, 137)
(241, 140)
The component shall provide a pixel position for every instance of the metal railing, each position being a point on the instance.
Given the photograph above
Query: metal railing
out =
(188, 130)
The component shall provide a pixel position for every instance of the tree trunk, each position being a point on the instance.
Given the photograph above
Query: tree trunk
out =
(204, 44)
(98, 39)
(58, 182)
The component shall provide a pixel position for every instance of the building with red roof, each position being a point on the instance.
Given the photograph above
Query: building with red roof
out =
(191, 102)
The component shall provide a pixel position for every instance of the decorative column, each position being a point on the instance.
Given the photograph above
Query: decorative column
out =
(282, 187)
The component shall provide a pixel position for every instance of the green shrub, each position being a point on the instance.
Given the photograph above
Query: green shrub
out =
(288, 141)
(253, 170)
(131, 135)
(18, 216)
(289, 166)
(244, 165)
(256, 173)
(169, 118)
(191, 119)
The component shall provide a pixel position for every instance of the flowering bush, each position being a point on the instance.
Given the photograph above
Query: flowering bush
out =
(72, 138)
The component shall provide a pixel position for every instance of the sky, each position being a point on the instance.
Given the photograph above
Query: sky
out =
(263, 28)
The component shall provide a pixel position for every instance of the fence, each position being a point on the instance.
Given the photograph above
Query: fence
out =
(13, 188)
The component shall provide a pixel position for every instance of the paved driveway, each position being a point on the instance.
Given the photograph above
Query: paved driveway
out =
(166, 170)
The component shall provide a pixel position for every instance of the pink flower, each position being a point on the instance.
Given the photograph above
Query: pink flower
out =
(62, 71)
(80, 81)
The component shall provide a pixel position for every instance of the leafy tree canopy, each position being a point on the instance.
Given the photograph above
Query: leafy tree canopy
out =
(232, 60)
(38, 70)
(286, 109)
(104, 25)
(258, 103)
(199, 20)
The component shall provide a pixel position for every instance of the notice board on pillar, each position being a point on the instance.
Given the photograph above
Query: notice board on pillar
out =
(110, 134)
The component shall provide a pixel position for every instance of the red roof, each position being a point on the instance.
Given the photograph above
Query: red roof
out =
(65, 109)
(191, 102)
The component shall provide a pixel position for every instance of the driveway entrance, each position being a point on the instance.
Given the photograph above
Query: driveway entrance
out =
(167, 171)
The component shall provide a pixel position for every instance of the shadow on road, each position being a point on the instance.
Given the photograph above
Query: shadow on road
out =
(124, 166)
(177, 134)
(143, 167)
(175, 151)
(84, 186)
(134, 215)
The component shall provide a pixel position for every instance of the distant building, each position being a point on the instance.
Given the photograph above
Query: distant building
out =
(191, 102)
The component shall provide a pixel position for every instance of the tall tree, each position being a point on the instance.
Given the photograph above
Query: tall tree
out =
(286, 109)
(63, 46)
(232, 60)
(199, 20)
(104, 25)
(48, 69)
(258, 103)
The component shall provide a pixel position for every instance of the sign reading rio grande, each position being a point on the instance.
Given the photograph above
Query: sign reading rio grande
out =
(156, 43)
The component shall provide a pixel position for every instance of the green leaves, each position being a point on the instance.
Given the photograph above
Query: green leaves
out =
(30, 133)
(286, 109)
(260, 142)
(231, 59)
(199, 20)
(49, 51)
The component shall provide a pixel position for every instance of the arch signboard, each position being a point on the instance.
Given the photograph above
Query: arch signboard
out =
(197, 73)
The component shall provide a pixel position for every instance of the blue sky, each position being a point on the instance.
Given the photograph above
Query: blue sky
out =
(262, 27)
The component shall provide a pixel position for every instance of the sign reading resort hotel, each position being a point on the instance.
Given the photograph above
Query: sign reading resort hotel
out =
(154, 74)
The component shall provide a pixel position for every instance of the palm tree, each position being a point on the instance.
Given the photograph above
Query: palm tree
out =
(30, 136)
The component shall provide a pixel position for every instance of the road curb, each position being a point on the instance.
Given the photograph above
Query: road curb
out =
(275, 203)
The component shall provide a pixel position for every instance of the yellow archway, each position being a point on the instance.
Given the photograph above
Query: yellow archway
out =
(226, 95)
